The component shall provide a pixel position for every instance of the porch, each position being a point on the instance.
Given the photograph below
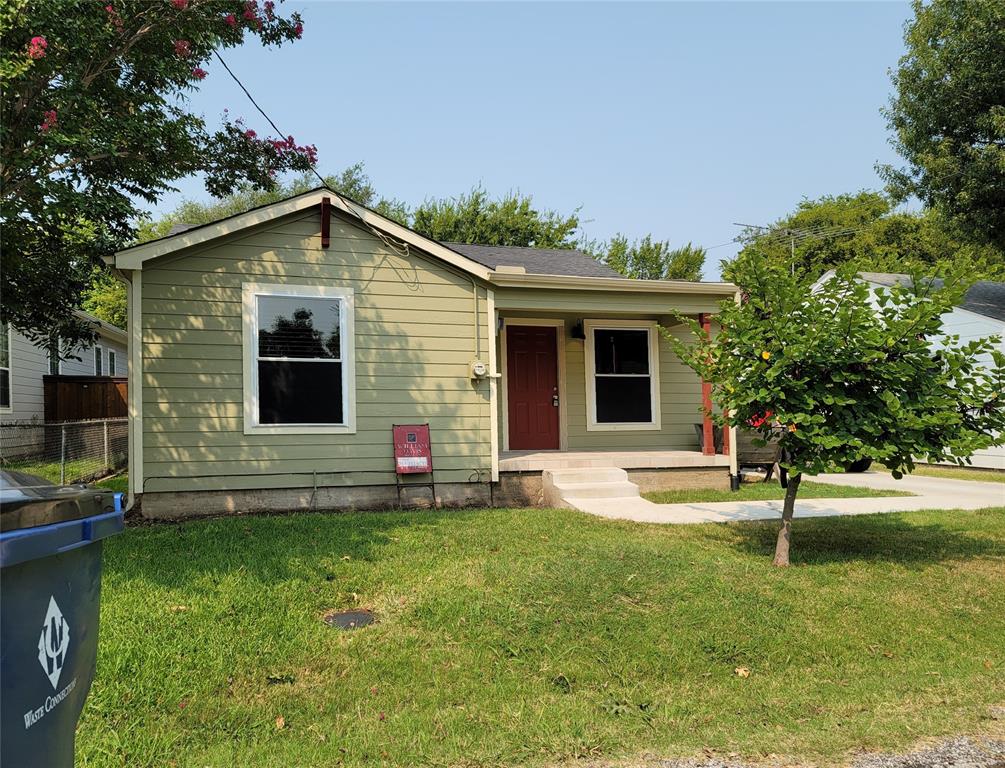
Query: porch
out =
(556, 478)
(538, 461)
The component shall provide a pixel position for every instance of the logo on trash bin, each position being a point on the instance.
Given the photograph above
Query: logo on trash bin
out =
(53, 643)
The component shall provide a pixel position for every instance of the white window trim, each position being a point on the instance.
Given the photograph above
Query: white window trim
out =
(250, 292)
(97, 360)
(9, 408)
(592, 425)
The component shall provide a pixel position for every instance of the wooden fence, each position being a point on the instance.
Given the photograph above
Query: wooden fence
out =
(80, 398)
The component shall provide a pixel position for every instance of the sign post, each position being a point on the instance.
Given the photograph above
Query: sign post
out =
(413, 455)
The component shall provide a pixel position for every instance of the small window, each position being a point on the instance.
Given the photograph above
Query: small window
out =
(5, 368)
(97, 361)
(111, 362)
(622, 375)
(54, 358)
(298, 359)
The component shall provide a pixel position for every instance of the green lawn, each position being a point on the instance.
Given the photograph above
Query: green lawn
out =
(767, 491)
(957, 473)
(536, 636)
(50, 470)
(115, 483)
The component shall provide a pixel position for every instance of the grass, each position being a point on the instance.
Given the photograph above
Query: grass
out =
(118, 483)
(75, 469)
(957, 473)
(50, 470)
(767, 491)
(535, 637)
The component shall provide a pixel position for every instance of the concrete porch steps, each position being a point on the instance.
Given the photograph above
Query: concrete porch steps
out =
(573, 487)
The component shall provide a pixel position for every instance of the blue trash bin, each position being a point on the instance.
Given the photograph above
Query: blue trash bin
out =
(50, 588)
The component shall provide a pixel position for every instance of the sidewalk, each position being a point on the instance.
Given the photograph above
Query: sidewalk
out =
(932, 493)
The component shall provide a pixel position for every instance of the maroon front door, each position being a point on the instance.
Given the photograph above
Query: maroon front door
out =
(532, 386)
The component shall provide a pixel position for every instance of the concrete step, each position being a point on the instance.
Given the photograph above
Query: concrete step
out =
(597, 490)
(561, 486)
(587, 475)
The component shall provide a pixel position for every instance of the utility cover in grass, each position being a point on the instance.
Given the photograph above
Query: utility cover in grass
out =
(349, 619)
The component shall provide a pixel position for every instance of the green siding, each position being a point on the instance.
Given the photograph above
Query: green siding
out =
(414, 340)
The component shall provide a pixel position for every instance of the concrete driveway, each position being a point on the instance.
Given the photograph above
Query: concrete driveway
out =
(931, 493)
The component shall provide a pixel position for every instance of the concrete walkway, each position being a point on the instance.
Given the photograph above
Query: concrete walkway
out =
(932, 493)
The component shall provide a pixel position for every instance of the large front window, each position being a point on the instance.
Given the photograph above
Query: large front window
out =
(622, 375)
(298, 359)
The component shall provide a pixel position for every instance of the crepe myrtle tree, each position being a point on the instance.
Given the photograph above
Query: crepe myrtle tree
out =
(95, 120)
(838, 373)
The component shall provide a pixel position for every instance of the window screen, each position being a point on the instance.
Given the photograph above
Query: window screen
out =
(623, 384)
(300, 367)
(111, 362)
(5, 367)
(97, 361)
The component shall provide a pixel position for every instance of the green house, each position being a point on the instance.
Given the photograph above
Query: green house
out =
(271, 354)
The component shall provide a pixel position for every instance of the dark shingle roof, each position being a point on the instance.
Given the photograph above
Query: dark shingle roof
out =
(983, 298)
(537, 261)
(986, 298)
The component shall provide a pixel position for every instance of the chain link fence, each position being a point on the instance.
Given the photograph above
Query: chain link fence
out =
(65, 452)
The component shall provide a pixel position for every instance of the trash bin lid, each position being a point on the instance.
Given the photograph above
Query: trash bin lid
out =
(27, 501)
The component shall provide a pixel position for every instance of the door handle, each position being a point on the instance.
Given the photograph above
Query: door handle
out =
(554, 400)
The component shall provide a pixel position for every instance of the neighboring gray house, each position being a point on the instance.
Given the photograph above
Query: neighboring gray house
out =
(980, 314)
(23, 364)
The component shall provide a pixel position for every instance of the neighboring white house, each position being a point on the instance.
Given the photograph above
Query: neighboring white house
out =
(979, 315)
(23, 364)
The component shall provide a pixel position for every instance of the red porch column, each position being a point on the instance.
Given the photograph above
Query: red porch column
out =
(708, 436)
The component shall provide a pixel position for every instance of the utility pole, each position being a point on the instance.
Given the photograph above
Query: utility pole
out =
(797, 234)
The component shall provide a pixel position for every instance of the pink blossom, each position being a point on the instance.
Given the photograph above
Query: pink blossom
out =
(298, 30)
(249, 14)
(199, 73)
(181, 5)
(269, 9)
(114, 17)
(231, 20)
(182, 48)
(48, 121)
(36, 48)
(250, 134)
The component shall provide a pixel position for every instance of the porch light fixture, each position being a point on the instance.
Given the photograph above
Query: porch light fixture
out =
(577, 331)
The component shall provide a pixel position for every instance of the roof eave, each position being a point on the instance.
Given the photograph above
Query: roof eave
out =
(105, 329)
(136, 256)
(622, 284)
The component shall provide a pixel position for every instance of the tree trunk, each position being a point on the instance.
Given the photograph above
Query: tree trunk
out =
(785, 532)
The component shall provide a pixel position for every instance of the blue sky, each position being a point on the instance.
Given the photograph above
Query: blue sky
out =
(671, 118)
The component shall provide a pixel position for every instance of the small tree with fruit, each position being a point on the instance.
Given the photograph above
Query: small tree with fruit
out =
(840, 372)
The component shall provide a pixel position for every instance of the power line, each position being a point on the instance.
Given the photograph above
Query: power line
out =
(260, 110)
(395, 245)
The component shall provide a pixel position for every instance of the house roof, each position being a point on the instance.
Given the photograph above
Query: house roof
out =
(135, 256)
(535, 261)
(984, 297)
(500, 265)
(104, 329)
